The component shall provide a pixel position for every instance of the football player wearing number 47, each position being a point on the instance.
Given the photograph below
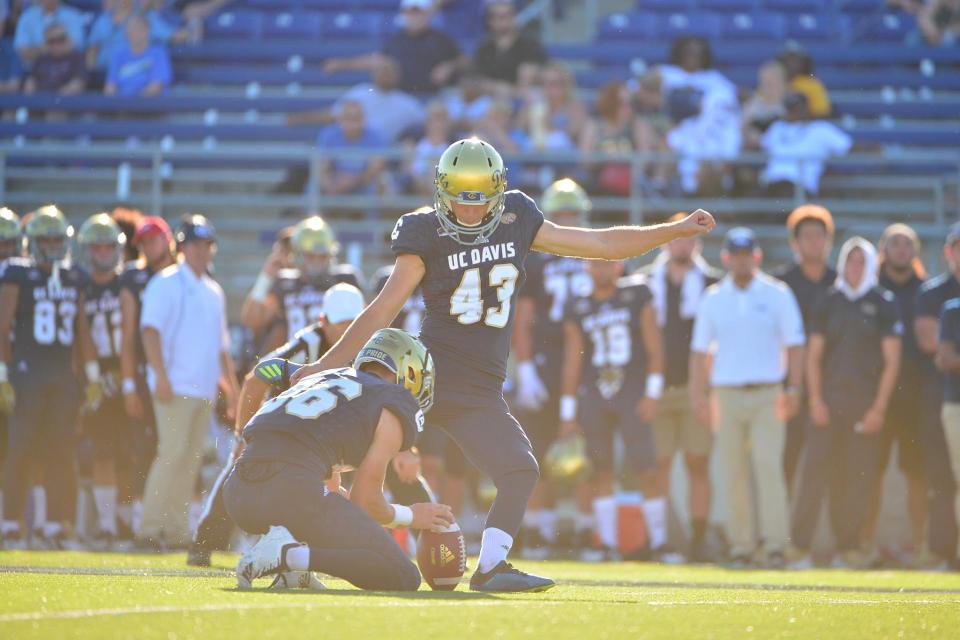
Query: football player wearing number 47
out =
(468, 255)
(41, 301)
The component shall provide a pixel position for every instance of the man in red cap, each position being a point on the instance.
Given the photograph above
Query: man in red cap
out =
(154, 239)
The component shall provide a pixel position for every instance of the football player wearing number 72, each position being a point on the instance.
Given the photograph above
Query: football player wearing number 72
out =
(468, 256)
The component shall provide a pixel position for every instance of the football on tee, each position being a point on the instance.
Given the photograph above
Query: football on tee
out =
(442, 558)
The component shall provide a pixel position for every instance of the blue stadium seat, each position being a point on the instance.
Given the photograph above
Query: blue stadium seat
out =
(272, 6)
(89, 6)
(811, 26)
(234, 24)
(294, 24)
(753, 26)
(861, 6)
(358, 25)
(796, 6)
(665, 6)
(729, 6)
(676, 25)
(889, 27)
(619, 26)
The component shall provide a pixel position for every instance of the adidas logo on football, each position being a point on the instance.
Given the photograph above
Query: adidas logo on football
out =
(446, 556)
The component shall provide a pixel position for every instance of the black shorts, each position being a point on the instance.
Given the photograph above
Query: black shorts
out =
(600, 418)
(109, 430)
(903, 428)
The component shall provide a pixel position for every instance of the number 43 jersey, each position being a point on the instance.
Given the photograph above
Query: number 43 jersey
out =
(326, 421)
(469, 292)
(45, 322)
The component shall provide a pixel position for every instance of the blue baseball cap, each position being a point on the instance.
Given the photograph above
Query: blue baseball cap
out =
(740, 239)
(195, 227)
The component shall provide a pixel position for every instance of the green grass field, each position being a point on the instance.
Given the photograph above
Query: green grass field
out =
(85, 595)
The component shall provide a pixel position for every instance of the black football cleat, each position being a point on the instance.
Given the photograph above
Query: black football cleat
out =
(198, 556)
(504, 578)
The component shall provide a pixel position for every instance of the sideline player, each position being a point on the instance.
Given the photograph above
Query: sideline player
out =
(611, 346)
(40, 300)
(10, 247)
(469, 255)
(295, 295)
(538, 346)
(341, 305)
(101, 251)
(328, 422)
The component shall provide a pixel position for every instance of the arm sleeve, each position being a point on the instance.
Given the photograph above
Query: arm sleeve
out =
(21, 38)
(948, 323)
(157, 309)
(928, 304)
(703, 333)
(791, 322)
(529, 214)
(224, 329)
(401, 404)
(410, 236)
(161, 69)
(818, 315)
(890, 322)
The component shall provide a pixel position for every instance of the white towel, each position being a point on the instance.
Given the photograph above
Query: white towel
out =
(694, 282)
(869, 279)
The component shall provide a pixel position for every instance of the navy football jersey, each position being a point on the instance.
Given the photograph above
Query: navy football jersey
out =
(45, 322)
(551, 282)
(614, 357)
(301, 296)
(469, 292)
(327, 420)
(101, 306)
(134, 279)
(410, 317)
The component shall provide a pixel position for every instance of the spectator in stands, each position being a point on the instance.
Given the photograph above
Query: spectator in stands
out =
(750, 324)
(166, 24)
(902, 273)
(939, 21)
(429, 148)
(468, 104)
(703, 104)
(853, 358)
(766, 105)
(799, 66)
(498, 129)
(344, 175)
(428, 59)
(555, 116)
(507, 58)
(139, 68)
(677, 280)
(798, 147)
(184, 325)
(810, 229)
(942, 527)
(108, 35)
(29, 39)
(648, 103)
(615, 129)
(11, 69)
(60, 68)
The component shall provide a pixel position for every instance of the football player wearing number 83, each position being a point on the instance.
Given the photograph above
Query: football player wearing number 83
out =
(41, 301)
(468, 255)
(331, 421)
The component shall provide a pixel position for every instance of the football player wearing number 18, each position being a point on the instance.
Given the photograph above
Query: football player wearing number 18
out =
(469, 254)
(41, 300)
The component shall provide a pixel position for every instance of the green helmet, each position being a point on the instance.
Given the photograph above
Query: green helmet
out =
(565, 195)
(312, 236)
(405, 356)
(470, 172)
(47, 223)
(100, 228)
(9, 234)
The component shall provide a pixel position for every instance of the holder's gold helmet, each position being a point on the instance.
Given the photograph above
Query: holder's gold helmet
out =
(312, 236)
(405, 356)
(563, 196)
(100, 228)
(470, 172)
(48, 224)
(9, 234)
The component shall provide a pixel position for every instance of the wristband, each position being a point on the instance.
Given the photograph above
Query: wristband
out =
(526, 369)
(128, 386)
(402, 516)
(654, 386)
(261, 287)
(92, 369)
(568, 408)
(3, 372)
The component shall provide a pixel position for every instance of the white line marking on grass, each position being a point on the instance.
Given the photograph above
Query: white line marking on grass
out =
(688, 603)
(122, 611)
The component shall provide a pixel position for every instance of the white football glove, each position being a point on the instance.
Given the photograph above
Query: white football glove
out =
(531, 392)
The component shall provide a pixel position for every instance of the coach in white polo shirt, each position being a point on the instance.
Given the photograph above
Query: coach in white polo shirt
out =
(750, 324)
(184, 325)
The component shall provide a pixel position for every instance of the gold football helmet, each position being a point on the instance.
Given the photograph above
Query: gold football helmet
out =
(48, 234)
(100, 228)
(566, 196)
(566, 460)
(9, 234)
(405, 356)
(470, 172)
(312, 244)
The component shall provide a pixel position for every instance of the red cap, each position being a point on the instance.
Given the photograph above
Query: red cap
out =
(150, 225)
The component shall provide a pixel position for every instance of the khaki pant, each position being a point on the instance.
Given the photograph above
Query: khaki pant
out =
(676, 428)
(951, 430)
(182, 426)
(751, 435)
